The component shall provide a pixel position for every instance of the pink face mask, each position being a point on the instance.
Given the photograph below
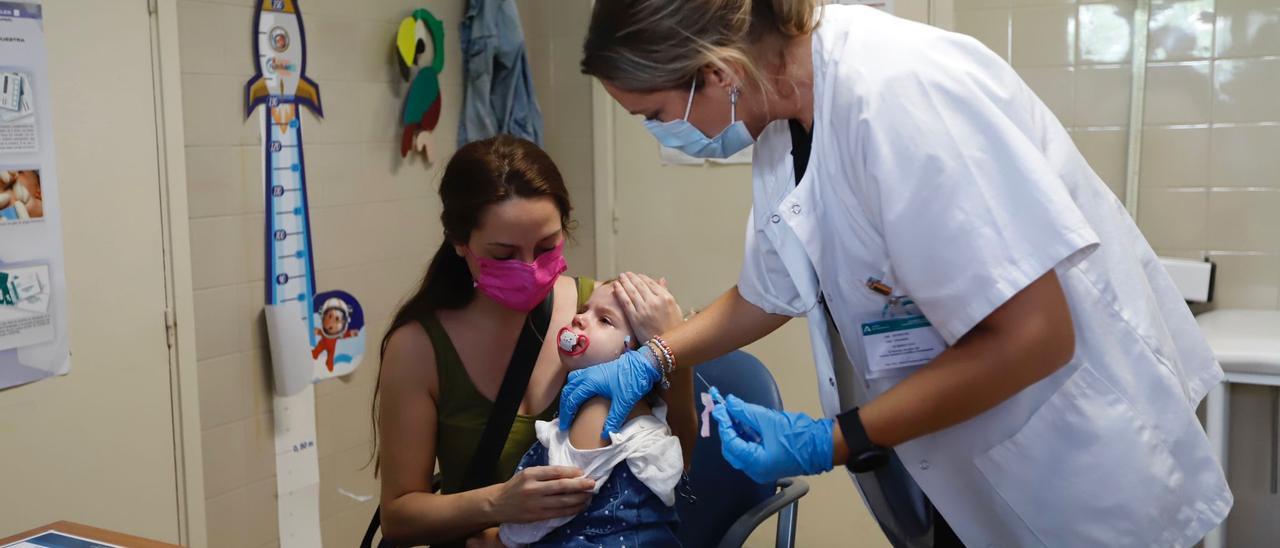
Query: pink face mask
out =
(518, 285)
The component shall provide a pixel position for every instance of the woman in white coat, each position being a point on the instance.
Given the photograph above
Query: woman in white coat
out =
(1021, 348)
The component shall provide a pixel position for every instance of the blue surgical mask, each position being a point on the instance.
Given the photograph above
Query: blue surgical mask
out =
(683, 136)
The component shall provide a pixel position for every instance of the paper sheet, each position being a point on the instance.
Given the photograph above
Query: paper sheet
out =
(290, 363)
(297, 468)
(34, 339)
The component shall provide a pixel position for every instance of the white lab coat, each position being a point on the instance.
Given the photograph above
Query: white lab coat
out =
(937, 170)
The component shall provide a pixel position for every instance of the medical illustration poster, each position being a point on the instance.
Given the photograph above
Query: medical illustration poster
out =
(33, 327)
(420, 43)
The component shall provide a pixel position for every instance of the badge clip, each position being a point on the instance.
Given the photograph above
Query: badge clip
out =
(897, 304)
(879, 287)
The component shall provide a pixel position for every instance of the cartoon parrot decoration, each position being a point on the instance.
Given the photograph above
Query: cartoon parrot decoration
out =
(422, 106)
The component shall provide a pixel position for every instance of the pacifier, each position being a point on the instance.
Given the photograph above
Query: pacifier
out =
(573, 344)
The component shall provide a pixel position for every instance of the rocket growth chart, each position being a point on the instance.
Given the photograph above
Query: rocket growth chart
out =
(314, 336)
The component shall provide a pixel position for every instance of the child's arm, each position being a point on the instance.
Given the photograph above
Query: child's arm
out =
(682, 415)
(585, 431)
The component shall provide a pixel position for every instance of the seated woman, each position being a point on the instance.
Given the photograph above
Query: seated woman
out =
(635, 470)
(505, 216)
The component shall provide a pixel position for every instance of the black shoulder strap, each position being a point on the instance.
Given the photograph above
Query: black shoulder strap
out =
(496, 431)
(514, 383)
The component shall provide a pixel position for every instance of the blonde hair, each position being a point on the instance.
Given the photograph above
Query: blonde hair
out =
(653, 45)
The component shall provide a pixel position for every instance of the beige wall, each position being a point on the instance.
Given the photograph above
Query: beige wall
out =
(374, 222)
(1210, 172)
(1211, 137)
(554, 41)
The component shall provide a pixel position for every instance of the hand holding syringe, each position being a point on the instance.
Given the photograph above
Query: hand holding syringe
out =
(744, 432)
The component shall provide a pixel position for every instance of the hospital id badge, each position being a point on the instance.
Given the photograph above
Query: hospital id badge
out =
(897, 344)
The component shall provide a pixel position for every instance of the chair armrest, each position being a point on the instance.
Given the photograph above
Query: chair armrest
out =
(789, 492)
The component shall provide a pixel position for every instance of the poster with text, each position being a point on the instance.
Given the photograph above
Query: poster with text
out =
(33, 306)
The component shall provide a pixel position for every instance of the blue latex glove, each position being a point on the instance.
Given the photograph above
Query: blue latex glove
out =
(791, 444)
(625, 381)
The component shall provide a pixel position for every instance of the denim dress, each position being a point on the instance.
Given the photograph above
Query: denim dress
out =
(624, 513)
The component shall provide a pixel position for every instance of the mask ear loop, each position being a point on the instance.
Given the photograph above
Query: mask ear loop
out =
(688, 107)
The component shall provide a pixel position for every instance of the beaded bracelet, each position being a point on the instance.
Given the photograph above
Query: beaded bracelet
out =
(666, 350)
(661, 358)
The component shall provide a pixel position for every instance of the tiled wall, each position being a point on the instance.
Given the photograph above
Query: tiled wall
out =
(1076, 58)
(374, 222)
(1210, 173)
(1212, 154)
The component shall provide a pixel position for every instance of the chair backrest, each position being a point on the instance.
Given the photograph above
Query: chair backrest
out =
(722, 493)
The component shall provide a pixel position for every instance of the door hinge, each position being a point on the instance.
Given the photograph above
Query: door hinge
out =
(170, 328)
(152, 6)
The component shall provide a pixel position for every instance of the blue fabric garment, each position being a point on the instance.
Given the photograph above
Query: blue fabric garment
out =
(498, 86)
(624, 513)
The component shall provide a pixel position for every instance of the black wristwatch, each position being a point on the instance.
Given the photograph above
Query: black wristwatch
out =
(864, 456)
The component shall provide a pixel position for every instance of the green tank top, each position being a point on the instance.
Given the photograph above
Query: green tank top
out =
(462, 411)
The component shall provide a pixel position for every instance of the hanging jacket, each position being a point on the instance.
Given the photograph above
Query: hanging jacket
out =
(498, 86)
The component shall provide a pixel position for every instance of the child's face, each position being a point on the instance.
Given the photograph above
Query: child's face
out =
(607, 332)
(334, 322)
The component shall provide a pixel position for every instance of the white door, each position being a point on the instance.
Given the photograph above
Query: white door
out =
(97, 446)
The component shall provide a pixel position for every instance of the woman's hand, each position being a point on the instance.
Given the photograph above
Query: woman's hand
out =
(649, 307)
(777, 444)
(541, 492)
(623, 381)
(487, 538)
